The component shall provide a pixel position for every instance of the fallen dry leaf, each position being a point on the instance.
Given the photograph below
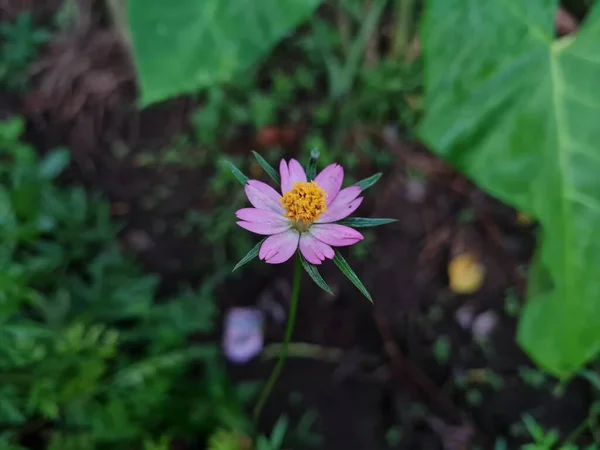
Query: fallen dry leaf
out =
(465, 274)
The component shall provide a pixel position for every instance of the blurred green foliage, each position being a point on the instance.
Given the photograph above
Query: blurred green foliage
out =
(88, 358)
(529, 143)
(20, 42)
(228, 36)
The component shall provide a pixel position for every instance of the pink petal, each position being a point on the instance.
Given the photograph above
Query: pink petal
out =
(330, 179)
(291, 173)
(255, 215)
(339, 210)
(297, 173)
(262, 221)
(263, 196)
(314, 250)
(280, 247)
(261, 228)
(284, 173)
(335, 235)
(345, 196)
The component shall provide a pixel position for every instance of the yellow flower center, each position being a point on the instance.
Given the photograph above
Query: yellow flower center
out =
(304, 203)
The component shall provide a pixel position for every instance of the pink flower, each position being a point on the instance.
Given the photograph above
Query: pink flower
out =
(303, 215)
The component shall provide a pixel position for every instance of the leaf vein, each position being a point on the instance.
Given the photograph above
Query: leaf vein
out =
(575, 98)
(536, 32)
(585, 200)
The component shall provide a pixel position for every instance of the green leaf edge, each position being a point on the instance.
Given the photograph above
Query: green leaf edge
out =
(339, 261)
(315, 275)
(365, 222)
(253, 253)
(262, 162)
(237, 173)
(366, 183)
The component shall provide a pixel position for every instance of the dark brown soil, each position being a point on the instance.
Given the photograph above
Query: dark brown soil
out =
(83, 97)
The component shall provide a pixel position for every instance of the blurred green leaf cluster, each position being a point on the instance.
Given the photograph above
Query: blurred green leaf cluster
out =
(88, 357)
(20, 42)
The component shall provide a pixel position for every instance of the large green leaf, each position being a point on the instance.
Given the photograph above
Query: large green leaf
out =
(185, 45)
(517, 111)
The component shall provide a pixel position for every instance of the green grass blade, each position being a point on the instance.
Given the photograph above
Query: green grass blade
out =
(315, 275)
(249, 256)
(237, 173)
(364, 222)
(339, 261)
(262, 162)
(368, 182)
(278, 434)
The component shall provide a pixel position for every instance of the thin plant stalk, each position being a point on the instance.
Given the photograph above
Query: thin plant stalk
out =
(577, 432)
(402, 32)
(264, 395)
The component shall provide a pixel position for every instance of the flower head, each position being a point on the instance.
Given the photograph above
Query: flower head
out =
(302, 215)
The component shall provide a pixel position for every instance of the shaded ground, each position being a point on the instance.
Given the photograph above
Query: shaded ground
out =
(411, 376)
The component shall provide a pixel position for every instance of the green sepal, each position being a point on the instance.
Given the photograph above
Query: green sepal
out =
(368, 182)
(364, 222)
(249, 256)
(237, 173)
(268, 168)
(315, 275)
(339, 261)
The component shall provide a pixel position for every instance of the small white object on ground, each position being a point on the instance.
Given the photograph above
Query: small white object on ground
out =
(243, 336)
(415, 191)
(464, 316)
(484, 324)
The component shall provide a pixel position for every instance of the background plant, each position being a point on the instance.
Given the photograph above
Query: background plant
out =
(21, 42)
(195, 28)
(88, 358)
(513, 109)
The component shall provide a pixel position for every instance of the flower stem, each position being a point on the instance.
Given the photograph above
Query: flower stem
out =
(289, 330)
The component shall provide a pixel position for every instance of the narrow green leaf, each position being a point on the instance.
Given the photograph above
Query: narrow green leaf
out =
(315, 275)
(54, 163)
(243, 179)
(279, 432)
(344, 79)
(249, 256)
(262, 162)
(349, 273)
(368, 182)
(311, 168)
(364, 222)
